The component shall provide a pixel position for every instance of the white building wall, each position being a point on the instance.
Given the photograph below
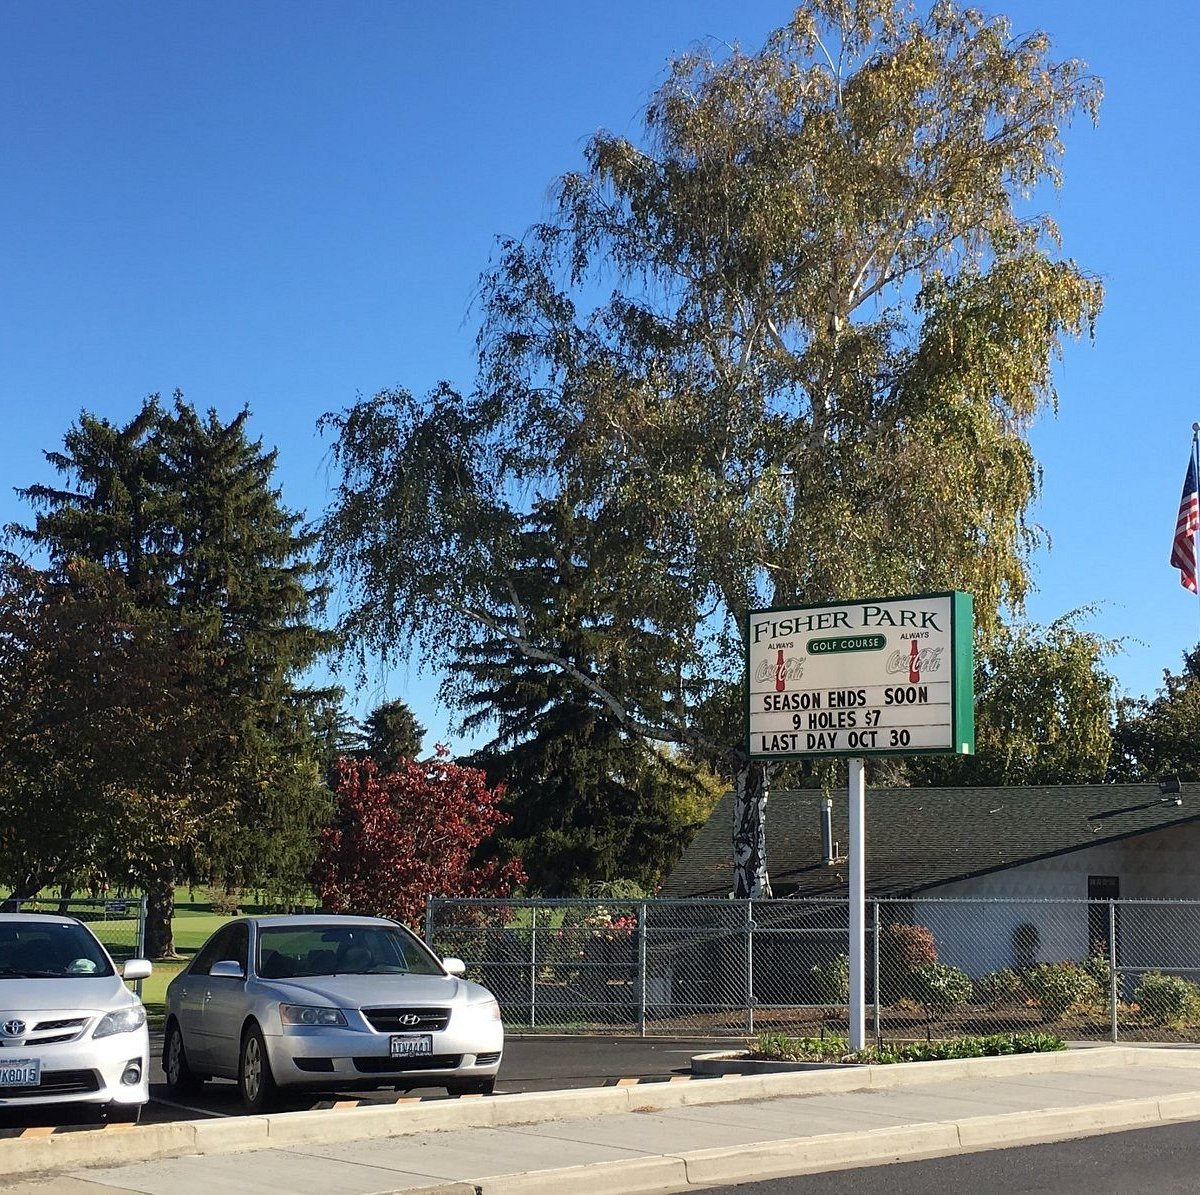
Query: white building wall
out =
(1160, 866)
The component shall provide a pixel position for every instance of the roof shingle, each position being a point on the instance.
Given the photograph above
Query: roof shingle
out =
(918, 838)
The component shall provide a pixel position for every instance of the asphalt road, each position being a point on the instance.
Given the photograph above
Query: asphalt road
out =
(1165, 1161)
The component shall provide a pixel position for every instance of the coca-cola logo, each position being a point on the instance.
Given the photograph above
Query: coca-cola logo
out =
(916, 664)
(780, 670)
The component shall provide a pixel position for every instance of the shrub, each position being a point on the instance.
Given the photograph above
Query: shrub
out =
(939, 988)
(969, 1047)
(1060, 987)
(1167, 999)
(776, 1047)
(907, 947)
(226, 901)
(999, 988)
(1097, 966)
(902, 949)
(832, 981)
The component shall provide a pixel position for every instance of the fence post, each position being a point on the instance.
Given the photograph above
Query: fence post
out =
(1112, 966)
(875, 967)
(641, 965)
(429, 919)
(749, 932)
(533, 928)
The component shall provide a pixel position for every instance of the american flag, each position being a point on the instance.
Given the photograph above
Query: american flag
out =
(1183, 549)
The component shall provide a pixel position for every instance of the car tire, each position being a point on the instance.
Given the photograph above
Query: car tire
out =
(178, 1071)
(471, 1086)
(255, 1080)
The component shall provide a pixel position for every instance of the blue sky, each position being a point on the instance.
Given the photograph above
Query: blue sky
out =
(288, 205)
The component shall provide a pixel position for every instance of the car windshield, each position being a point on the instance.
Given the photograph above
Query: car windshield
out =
(50, 950)
(286, 952)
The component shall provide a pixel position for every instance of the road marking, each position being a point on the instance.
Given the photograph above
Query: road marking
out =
(188, 1108)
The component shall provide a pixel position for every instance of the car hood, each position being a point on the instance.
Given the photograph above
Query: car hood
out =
(359, 991)
(101, 993)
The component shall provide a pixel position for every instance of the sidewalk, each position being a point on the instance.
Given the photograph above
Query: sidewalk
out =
(649, 1138)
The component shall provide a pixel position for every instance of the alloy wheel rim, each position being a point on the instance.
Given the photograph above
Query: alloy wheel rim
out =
(252, 1068)
(174, 1051)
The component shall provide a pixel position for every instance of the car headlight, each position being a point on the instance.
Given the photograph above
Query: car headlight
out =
(124, 1020)
(303, 1014)
(487, 1010)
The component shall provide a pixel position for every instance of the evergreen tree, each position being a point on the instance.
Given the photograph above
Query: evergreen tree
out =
(590, 802)
(390, 734)
(183, 509)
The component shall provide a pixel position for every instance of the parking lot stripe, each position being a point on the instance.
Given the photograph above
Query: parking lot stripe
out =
(188, 1108)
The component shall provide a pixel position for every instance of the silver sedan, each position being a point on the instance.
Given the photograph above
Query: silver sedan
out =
(328, 1001)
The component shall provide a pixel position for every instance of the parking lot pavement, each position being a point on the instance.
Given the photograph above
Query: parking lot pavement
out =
(631, 1139)
(537, 1062)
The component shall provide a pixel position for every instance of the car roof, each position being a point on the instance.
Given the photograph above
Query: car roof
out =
(301, 920)
(42, 918)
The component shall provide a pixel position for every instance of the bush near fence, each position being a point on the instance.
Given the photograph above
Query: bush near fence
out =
(935, 968)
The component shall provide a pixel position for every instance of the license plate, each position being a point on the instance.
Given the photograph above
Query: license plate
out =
(21, 1072)
(407, 1044)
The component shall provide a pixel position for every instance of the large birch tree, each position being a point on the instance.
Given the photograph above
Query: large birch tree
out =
(785, 347)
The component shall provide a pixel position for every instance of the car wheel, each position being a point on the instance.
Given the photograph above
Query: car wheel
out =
(179, 1074)
(255, 1081)
(471, 1086)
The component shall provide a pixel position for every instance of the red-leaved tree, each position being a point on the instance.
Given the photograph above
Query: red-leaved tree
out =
(400, 836)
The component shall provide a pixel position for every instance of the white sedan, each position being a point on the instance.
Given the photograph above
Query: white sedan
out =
(71, 1032)
(327, 1001)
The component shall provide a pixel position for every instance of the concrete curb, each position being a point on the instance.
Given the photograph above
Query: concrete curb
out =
(833, 1151)
(46, 1150)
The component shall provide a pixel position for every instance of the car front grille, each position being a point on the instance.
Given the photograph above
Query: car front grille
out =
(400, 1020)
(487, 1059)
(410, 1062)
(56, 1083)
(47, 1033)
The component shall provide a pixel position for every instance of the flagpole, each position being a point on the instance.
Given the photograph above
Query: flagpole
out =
(1196, 463)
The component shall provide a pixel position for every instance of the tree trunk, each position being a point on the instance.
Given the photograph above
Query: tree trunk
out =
(160, 908)
(750, 880)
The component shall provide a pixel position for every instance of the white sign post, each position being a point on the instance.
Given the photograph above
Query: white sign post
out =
(884, 676)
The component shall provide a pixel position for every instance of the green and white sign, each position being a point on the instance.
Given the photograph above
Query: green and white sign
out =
(886, 676)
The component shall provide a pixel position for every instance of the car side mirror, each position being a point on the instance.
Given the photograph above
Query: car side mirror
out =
(227, 968)
(137, 968)
(455, 967)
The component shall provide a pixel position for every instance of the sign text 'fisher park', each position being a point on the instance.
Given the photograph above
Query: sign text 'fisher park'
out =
(888, 676)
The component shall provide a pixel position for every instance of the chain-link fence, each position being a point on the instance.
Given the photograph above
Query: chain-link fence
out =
(1085, 970)
(120, 922)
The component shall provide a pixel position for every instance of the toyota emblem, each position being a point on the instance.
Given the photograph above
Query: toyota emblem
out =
(13, 1028)
(408, 1019)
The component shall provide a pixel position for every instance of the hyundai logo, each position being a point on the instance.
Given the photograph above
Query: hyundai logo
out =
(409, 1018)
(13, 1028)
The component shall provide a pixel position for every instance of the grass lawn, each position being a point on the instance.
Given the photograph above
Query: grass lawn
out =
(191, 927)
